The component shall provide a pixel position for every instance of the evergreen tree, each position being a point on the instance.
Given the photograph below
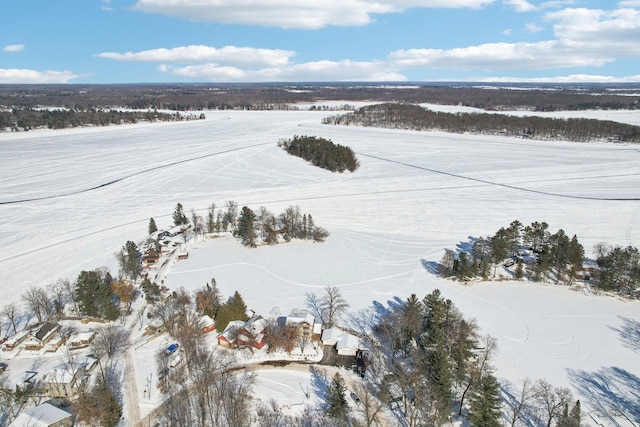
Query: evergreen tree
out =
(179, 218)
(570, 418)
(337, 406)
(130, 260)
(246, 229)
(519, 270)
(151, 291)
(411, 321)
(484, 403)
(94, 295)
(268, 226)
(234, 309)
(211, 218)
(436, 354)
(152, 226)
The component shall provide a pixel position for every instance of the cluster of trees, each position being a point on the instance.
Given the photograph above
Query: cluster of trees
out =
(321, 152)
(23, 119)
(251, 227)
(619, 270)
(427, 359)
(94, 293)
(409, 116)
(433, 356)
(537, 254)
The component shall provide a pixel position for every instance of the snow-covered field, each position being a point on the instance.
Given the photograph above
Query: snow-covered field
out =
(70, 199)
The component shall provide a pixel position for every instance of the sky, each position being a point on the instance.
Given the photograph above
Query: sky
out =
(225, 41)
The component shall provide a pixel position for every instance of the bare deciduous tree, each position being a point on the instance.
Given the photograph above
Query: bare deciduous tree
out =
(10, 311)
(551, 399)
(330, 307)
(518, 403)
(39, 303)
(61, 295)
(109, 342)
(369, 405)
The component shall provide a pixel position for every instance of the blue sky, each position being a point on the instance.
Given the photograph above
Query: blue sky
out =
(148, 41)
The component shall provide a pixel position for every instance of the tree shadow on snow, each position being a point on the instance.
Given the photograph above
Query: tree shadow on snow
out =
(431, 266)
(611, 391)
(629, 333)
(466, 246)
(319, 381)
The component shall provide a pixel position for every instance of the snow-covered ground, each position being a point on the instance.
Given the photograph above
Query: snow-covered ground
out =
(70, 199)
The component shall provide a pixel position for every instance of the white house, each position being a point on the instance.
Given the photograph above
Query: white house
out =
(65, 380)
(45, 415)
(346, 343)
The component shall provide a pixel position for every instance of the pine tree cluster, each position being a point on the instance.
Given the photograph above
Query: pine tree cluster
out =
(532, 250)
(321, 152)
(619, 270)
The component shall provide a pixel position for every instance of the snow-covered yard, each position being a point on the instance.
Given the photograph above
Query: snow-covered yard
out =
(70, 199)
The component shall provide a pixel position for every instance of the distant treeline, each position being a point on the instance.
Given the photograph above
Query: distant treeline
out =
(23, 119)
(414, 117)
(321, 152)
(200, 96)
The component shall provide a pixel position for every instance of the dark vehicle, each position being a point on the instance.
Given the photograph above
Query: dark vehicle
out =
(3, 367)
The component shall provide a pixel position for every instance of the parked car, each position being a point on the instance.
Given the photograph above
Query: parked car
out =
(3, 367)
(355, 397)
(172, 348)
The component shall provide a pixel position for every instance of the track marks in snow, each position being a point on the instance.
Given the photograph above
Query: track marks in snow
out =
(125, 177)
(499, 184)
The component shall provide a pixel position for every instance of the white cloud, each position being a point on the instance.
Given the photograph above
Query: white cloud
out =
(629, 3)
(492, 56)
(13, 76)
(292, 13)
(532, 27)
(595, 31)
(520, 5)
(310, 71)
(507, 32)
(227, 54)
(13, 48)
(584, 37)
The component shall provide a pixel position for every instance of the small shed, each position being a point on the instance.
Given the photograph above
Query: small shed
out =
(81, 340)
(16, 340)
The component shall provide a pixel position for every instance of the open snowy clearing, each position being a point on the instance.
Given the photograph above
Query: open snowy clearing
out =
(70, 199)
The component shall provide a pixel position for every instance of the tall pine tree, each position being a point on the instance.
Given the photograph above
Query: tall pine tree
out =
(246, 229)
(484, 403)
(337, 406)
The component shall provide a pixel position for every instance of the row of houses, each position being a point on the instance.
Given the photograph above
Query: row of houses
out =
(47, 336)
(252, 333)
